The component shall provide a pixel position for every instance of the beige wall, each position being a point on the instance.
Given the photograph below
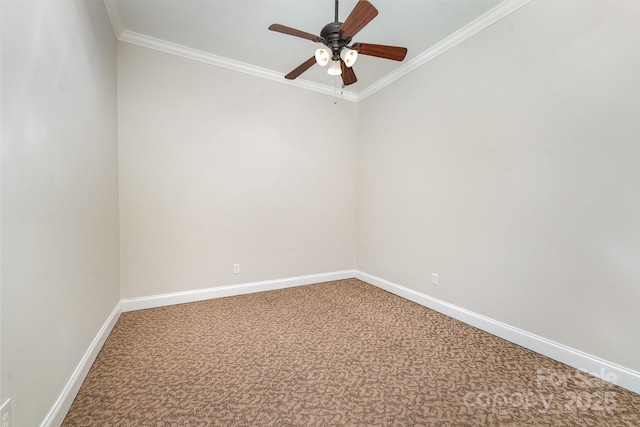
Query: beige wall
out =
(509, 165)
(219, 167)
(59, 195)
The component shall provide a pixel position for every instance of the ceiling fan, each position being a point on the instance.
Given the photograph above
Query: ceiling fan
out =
(337, 36)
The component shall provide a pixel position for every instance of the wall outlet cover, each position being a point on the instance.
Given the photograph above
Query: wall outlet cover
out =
(5, 414)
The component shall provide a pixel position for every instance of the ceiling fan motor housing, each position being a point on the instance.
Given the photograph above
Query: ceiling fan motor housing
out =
(333, 39)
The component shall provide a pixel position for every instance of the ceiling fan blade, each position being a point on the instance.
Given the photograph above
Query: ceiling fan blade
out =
(395, 53)
(361, 15)
(293, 32)
(301, 68)
(348, 75)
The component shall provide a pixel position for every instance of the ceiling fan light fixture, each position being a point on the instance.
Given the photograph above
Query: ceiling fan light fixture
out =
(322, 56)
(349, 56)
(334, 68)
(336, 36)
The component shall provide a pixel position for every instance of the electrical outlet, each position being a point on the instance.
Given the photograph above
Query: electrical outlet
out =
(236, 268)
(434, 279)
(5, 414)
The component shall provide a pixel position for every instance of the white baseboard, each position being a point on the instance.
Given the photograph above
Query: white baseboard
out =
(624, 377)
(131, 304)
(56, 415)
(58, 412)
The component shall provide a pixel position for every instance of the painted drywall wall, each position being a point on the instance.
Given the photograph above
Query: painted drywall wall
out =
(59, 195)
(219, 167)
(509, 166)
(1, 401)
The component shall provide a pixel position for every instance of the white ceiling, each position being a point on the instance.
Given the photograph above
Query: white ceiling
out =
(234, 34)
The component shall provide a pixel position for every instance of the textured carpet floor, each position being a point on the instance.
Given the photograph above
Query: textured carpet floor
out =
(331, 354)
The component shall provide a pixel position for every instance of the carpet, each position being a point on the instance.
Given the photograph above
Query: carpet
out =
(341, 353)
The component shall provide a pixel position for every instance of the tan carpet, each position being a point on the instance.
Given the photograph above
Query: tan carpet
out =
(331, 354)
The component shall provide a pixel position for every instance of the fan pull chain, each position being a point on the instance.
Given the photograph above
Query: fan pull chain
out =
(335, 90)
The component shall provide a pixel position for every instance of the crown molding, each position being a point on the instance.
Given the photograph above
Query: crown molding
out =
(230, 64)
(115, 17)
(503, 9)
